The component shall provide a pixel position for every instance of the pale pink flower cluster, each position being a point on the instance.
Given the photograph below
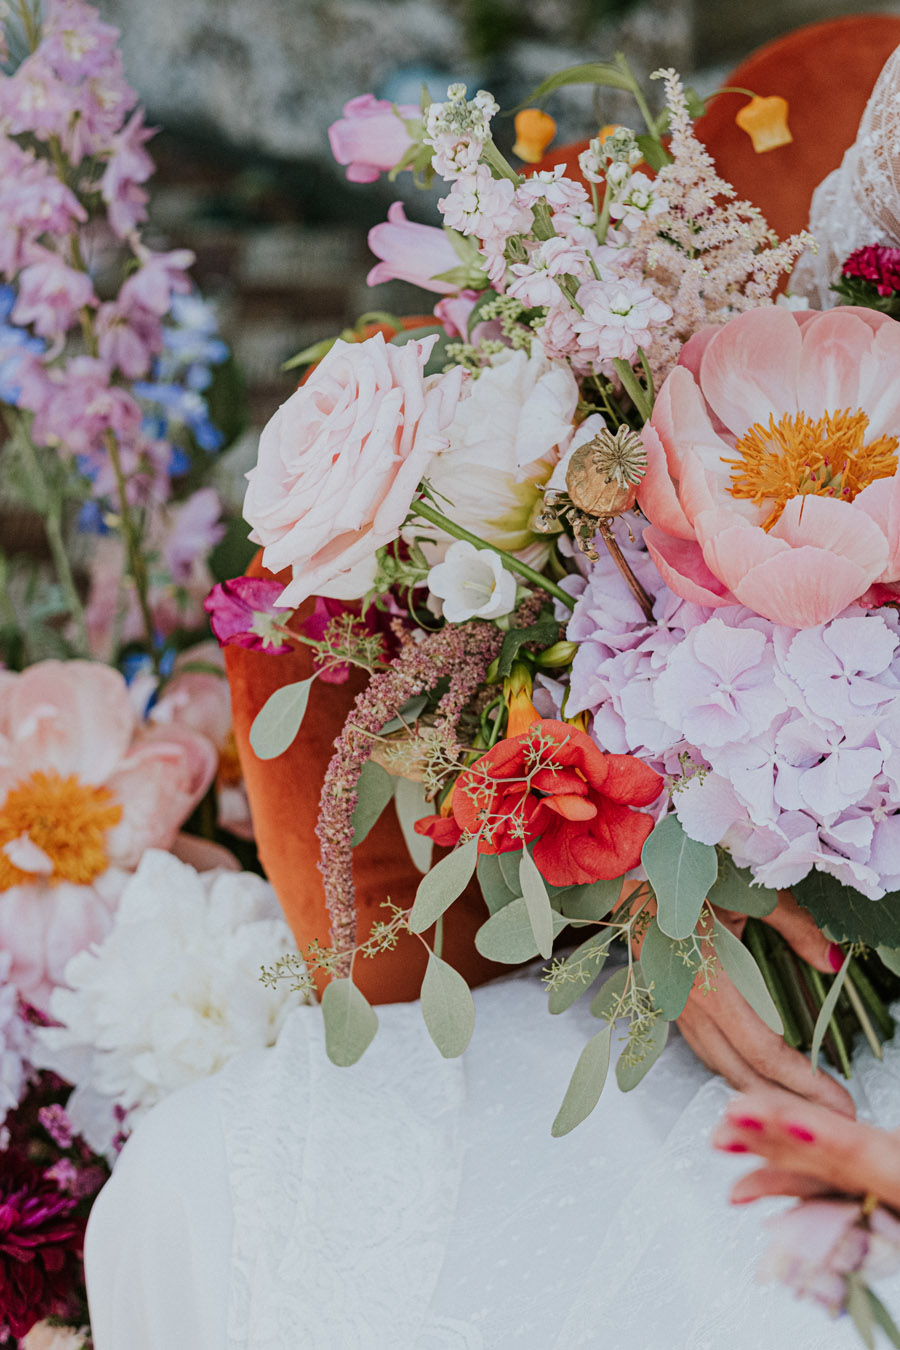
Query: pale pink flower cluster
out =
(487, 207)
(458, 129)
(785, 745)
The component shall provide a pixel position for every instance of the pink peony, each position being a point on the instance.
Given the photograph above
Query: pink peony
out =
(370, 138)
(84, 790)
(772, 463)
(340, 462)
(410, 252)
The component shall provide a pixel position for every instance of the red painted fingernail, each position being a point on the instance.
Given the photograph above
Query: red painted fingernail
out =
(735, 1148)
(835, 957)
(747, 1123)
(802, 1133)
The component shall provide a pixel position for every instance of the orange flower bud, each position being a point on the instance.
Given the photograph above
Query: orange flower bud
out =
(765, 122)
(534, 132)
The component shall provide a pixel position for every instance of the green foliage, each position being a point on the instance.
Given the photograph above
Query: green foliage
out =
(827, 1010)
(847, 915)
(593, 901)
(442, 885)
(508, 936)
(632, 1067)
(608, 1002)
(492, 882)
(734, 890)
(537, 903)
(410, 805)
(279, 719)
(745, 975)
(543, 632)
(586, 1084)
(350, 1022)
(568, 979)
(670, 967)
(375, 788)
(447, 1007)
(682, 872)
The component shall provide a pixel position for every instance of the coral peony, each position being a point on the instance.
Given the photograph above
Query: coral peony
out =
(553, 786)
(772, 464)
(40, 1247)
(340, 463)
(84, 790)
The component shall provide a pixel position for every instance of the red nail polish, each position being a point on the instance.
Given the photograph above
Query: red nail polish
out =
(835, 957)
(742, 1199)
(735, 1148)
(802, 1133)
(747, 1123)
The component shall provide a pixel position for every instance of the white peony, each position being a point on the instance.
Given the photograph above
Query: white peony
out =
(172, 992)
(510, 428)
(472, 583)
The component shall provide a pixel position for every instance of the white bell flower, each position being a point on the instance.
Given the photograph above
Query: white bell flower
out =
(472, 583)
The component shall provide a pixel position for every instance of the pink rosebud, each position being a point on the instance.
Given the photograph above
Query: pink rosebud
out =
(410, 252)
(370, 138)
(242, 613)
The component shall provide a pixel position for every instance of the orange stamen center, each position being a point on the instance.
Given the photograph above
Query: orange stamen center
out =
(799, 457)
(66, 819)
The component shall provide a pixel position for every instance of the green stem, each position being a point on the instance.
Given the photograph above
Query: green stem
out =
(873, 1000)
(428, 512)
(754, 941)
(834, 1030)
(638, 95)
(864, 1020)
(492, 157)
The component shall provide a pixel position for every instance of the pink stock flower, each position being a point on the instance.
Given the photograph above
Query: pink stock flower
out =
(242, 611)
(127, 339)
(33, 204)
(370, 138)
(454, 311)
(340, 463)
(410, 252)
(50, 295)
(160, 276)
(128, 166)
(772, 468)
(84, 791)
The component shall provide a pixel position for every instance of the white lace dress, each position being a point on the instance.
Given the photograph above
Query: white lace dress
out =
(414, 1203)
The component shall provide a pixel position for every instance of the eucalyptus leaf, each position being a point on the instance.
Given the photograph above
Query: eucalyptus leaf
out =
(441, 886)
(846, 914)
(606, 1001)
(734, 889)
(629, 1075)
(586, 1084)
(682, 872)
(278, 720)
(374, 789)
(537, 902)
(447, 1007)
(746, 976)
(670, 967)
(350, 1022)
(891, 958)
(860, 1309)
(884, 1319)
(827, 1011)
(583, 966)
(492, 882)
(509, 867)
(508, 936)
(594, 901)
(410, 805)
(405, 715)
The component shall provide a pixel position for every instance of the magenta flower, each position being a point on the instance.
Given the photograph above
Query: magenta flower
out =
(370, 138)
(875, 263)
(243, 611)
(41, 1240)
(410, 252)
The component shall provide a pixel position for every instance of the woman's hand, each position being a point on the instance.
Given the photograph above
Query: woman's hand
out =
(808, 1149)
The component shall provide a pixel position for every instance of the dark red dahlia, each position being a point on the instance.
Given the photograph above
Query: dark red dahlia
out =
(41, 1238)
(875, 263)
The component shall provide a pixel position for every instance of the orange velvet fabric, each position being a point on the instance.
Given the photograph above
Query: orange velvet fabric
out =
(284, 800)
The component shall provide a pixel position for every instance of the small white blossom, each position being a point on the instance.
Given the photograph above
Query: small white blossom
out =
(618, 318)
(458, 129)
(473, 584)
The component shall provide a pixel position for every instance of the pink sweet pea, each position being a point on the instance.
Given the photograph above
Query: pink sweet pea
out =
(410, 252)
(772, 467)
(242, 611)
(370, 138)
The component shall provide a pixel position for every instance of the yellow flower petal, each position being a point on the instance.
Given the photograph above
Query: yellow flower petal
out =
(534, 132)
(765, 122)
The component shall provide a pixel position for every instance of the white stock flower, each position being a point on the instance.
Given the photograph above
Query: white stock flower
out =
(173, 991)
(473, 584)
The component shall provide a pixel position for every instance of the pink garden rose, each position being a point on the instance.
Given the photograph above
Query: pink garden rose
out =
(84, 790)
(772, 464)
(411, 252)
(340, 462)
(370, 138)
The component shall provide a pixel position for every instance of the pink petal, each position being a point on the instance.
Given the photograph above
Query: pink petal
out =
(73, 717)
(879, 379)
(881, 503)
(691, 353)
(656, 494)
(749, 370)
(682, 568)
(837, 526)
(832, 346)
(801, 587)
(731, 546)
(681, 418)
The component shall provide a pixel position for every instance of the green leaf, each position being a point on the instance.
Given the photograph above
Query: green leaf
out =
(591, 958)
(605, 1003)
(696, 103)
(410, 805)
(509, 867)
(746, 976)
(545, 632)
(664, 965)
(492, 882)
(508, 936)
(537, 902)
(375, 788)
(827, 1010)
(656, 156)
(682, 872)
(884, 1319)
(860, 1310)
(441, 886)
(310, 355)
(847, 915)
(594, 72)
(735, 890)
(586, 1084)
(591, 902)
(350, 1022)
(448, 1007)
(278, 720)
(891, 957)
(629, 1075)
(405, 715)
